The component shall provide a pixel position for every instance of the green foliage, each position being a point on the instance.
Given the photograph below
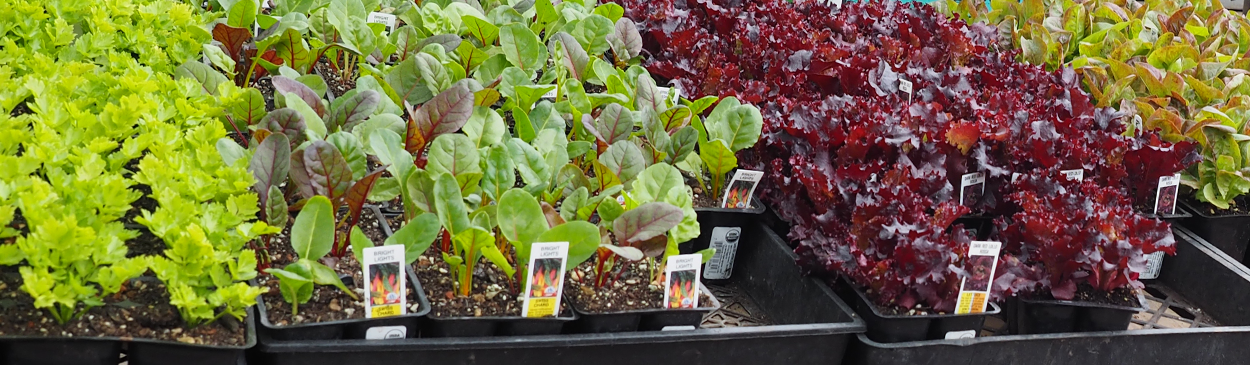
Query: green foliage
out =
(1177, 65)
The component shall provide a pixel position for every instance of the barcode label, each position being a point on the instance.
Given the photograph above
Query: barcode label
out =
(725, 241)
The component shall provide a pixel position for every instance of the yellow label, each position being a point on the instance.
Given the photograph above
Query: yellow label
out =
(542, 307)
(385, 310)
(971, 303)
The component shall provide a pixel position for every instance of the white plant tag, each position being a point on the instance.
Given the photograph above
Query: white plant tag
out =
(382, 18)
(1165, 195)
(1154, 265)
(955, 335)
(971, 188)
(725, 241)
(681, 284)
(385, 286)
(546, 279)
(386, 333)
(904, 86)
(740, 189)
(1074, 175)
(974, 290)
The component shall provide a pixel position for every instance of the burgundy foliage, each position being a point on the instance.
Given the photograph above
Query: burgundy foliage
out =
(868, 176)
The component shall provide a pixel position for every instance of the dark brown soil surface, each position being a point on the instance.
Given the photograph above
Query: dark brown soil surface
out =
(337, 85)
(632, 291)
(20, 109)
(1086, 293)
(370, 225)
(265, 85)
(147, 244)
(328, 303)
(145, 202)
(18, 223)
(492, 296)
(140, 310)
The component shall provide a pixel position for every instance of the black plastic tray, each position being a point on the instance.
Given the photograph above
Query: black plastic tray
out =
(813, 327)
(643, 320)
(1229, 233)
(1208, 278)
(495, 326)
(23, 350)
(349, 328)
(1037, 316)
(710, 218)
(902, 328)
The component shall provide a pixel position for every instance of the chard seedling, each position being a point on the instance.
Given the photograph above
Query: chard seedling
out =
(731, 127)
(321, 170)
(312, 237)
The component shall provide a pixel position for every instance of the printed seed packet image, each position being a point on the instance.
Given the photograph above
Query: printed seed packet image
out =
(1165, 196)
(385, 286)
(971, 187)
(681, 289)
(545, 279)
(741, 188)
(974, 292)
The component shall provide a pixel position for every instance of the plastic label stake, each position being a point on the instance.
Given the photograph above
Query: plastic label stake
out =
(1074, 175)
(1165, 195)
(385, 19)
(974, 291)
(546, 279)
(385, 287)
(740, 189)
(971, 188)
(681, 283)
(725, 241)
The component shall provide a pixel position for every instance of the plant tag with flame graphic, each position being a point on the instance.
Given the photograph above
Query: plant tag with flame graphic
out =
(741, 188)
(546, 279)
(681, 286)
(385, 287)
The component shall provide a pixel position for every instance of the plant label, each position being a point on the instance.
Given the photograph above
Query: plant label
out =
(955, 335)
(546, 279)
(386, 333)
(741, 188)
(1154, 264)
(974, 290)
(385, 19)
(681, 286)
(905, 86)
(1074, 175)
(971, 188)
(385, 289)
(1165, 196)
(725, 241)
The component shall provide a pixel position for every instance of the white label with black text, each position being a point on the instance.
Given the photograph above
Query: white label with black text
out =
(386, 333)
(1154, 264)
(382, 18)
(725, 241)
(1074, 175)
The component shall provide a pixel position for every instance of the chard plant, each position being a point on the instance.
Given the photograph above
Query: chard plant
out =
(524, 221)
(312, 237)
(322, 170)
(731, 127)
